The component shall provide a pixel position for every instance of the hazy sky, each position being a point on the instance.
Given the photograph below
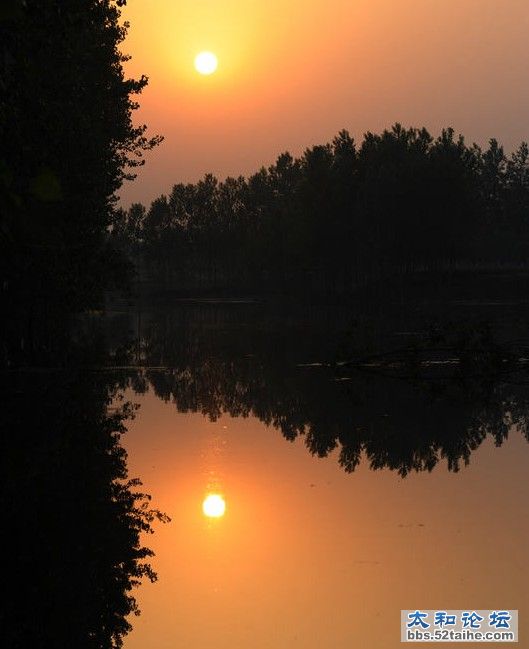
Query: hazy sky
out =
(292, 73)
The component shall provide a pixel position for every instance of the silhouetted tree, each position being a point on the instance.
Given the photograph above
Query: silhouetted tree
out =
(68, 143)
(341, 215)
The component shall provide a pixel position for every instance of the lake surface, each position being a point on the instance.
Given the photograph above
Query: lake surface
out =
(307, 555)
(371, 459)
(349, 494)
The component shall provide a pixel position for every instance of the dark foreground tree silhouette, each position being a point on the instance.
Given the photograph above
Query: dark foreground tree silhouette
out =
(68, 143)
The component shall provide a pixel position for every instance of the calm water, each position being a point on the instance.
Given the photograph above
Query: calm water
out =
(307, 555)
(371, 461)
(351, 494)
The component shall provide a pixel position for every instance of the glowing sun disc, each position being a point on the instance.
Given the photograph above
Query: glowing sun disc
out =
(206, 63)
(214, 506)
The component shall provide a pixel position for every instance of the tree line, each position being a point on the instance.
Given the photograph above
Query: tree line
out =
(401, 200)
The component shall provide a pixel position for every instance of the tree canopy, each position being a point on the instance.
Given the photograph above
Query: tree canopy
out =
(68, 143)
(340, 213)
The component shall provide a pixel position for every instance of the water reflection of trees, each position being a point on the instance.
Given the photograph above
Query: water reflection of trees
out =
(405, 424)
(73, 517)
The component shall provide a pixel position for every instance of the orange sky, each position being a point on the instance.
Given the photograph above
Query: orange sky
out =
(293, 73)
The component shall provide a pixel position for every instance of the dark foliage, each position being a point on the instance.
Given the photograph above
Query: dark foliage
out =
(68, 142)
(73, 518)
(340, 215)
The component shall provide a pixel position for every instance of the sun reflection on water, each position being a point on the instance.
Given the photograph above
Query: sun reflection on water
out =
(214, 506)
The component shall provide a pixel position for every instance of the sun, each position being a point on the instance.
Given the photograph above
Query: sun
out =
(214, 506)
(206, 63)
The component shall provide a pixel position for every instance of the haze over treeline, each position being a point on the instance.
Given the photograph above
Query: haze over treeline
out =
(400, 200)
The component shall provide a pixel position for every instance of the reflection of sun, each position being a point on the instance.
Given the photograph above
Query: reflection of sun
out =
(214, 506)
(206, 63)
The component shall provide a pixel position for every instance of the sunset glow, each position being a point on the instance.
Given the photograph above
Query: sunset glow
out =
(206, 63)
(291, 74)
(214, 506)
(264, 353)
